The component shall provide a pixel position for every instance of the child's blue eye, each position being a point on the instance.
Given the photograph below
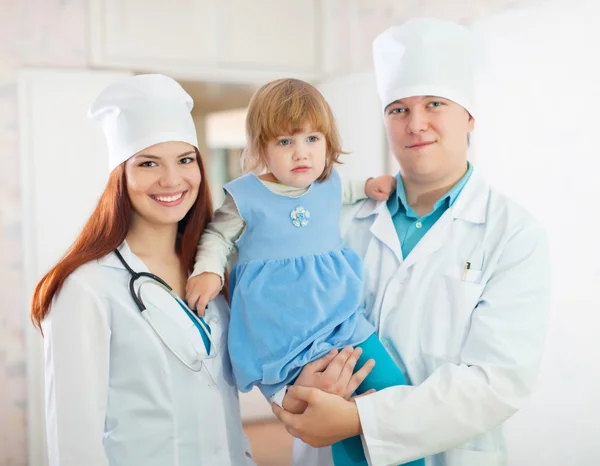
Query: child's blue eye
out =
(312, 139)
(284, 142)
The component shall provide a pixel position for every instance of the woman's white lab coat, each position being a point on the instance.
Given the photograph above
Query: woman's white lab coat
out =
(116, 396)
(469, 337)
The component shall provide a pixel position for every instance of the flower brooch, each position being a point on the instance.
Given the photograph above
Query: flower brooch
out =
(300, 216)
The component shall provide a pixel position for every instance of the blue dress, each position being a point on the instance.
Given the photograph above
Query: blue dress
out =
(296, 290)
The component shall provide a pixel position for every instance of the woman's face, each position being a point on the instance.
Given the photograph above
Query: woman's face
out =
(163, 181)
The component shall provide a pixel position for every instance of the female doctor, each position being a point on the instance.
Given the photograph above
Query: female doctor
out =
(116, 393)
(456, 276)
(133, 378)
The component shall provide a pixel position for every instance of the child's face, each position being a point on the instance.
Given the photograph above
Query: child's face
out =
(299, 159)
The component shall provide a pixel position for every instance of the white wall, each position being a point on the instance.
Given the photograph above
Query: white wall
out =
(536, 139)
(226, 128)
(356, 107)
(50, 33)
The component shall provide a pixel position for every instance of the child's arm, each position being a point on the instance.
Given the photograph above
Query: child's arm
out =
(214, 249)
(379, 189)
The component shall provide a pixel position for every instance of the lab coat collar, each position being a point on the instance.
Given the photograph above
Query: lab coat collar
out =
(471, 206)
(472, 203)
(111, 259)
(383, 226)
(371, 207)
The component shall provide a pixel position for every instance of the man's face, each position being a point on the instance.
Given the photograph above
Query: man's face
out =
(429, 137)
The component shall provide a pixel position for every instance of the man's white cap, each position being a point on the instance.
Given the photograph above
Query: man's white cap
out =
(426, 56)
(140, 111)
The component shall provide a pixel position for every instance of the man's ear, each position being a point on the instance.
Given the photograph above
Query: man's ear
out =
(471, 123)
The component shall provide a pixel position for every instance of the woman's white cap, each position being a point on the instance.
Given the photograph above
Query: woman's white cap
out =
(140, 111)
(426, 57)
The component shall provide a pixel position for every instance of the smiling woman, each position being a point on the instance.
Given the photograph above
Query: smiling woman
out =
(115, 387)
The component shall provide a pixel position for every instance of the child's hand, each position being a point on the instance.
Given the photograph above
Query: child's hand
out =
(381, 187)
(202, 289)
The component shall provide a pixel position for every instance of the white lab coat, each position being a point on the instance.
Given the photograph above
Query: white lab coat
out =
(471, 347)
(116, 396)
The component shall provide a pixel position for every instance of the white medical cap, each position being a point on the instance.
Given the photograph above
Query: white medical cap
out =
(426, 56)
(140, 111)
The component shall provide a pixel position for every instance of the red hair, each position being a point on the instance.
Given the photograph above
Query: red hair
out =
(107, 228)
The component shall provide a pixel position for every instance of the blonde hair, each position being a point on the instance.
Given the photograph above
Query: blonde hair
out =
(283, 107)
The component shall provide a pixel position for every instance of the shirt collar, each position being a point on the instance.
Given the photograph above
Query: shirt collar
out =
(472, 205)
(398, 202)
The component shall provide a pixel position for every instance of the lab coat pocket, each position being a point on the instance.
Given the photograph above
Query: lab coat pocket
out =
(218, 322)
(175, 327)
(471, 276)
(448, 312)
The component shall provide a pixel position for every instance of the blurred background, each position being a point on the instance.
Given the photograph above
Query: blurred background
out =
(535, 139)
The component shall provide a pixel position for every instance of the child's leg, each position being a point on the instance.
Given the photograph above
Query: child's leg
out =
(385, 374)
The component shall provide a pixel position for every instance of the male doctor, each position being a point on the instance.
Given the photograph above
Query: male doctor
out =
(456, 276)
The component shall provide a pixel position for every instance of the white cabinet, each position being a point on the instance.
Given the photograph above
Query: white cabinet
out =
(224, 40)
(174, 31)
(278, 34)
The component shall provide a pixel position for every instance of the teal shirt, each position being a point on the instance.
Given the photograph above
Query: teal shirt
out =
(203, 334)
(410, 228)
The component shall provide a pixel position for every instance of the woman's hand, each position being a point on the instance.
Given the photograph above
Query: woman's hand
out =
(333, 373)
(327, 419)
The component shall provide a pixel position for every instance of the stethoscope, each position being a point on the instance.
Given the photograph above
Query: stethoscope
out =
(156, 280)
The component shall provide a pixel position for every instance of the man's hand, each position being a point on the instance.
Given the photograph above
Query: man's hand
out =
(333, 373)
(327, 419)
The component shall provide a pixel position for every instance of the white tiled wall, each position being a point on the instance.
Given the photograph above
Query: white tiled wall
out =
(53, 33)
